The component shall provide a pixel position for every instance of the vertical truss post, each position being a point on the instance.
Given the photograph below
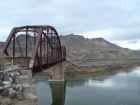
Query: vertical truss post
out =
(47, 50)
(34, 37)
(54, 55)
(14, 45)
(44, 46)
(51, 55)
(26, 42)
(34, 52)
(41, 53)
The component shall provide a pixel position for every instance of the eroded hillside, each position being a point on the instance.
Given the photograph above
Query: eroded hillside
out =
(79, 47)
(97, 48)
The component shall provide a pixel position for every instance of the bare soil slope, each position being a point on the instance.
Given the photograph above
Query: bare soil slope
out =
(97, 48)
(79, 47)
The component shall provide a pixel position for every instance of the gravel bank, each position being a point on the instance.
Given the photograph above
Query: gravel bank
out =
(95, 65)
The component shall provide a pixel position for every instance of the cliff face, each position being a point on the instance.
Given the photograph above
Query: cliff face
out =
(79, 47)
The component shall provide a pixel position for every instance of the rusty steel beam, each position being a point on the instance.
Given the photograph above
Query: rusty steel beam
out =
(8, 42)
(46, 44)
(47, 55)
(35, 48)
(48, 39)
(14, 45)
(26, 41)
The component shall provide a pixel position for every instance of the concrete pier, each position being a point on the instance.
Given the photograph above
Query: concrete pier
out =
(57, 73)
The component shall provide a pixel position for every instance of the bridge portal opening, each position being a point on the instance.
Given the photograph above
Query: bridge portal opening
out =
(34, 47)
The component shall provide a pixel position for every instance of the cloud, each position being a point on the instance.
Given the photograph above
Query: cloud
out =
(95, 34)
(113, 20)
(132, 42)
(131, 45)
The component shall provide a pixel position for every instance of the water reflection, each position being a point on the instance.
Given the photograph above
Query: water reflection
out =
(120, 87)
(58, 93)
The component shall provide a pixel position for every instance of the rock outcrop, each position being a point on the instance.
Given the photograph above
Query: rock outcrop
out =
(17, 87)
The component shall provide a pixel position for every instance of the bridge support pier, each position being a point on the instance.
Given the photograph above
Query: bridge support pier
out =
(57, 73)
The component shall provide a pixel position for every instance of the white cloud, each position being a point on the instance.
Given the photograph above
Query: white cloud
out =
(106, 83)
(113, 20)
(100, 84)
(4, 34)
(125, 44)
(95, 34)
(136, 72)
(4, 31)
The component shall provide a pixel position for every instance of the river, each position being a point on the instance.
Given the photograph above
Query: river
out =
(116, 87)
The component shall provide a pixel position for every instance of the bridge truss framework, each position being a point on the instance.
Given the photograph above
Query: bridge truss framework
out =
(42, 47)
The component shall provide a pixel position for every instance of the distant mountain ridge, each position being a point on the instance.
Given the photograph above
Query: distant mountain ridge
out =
(81, 42)
(103, 42)
(79, 47)
(1, 43)
(96, 48)
(137, 50)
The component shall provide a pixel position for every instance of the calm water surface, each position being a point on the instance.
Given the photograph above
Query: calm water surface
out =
(121, 87)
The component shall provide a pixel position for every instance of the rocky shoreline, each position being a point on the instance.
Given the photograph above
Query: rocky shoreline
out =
(95, 66)
(17, 88)
(105, 67)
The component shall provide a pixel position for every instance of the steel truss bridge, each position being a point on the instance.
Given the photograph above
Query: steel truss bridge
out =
(34, 47)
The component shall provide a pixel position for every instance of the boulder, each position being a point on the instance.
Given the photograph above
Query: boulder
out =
(1, 76)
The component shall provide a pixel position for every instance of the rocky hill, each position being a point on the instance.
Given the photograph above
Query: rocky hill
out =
(96, 48)
(79, 47)
(1, 45)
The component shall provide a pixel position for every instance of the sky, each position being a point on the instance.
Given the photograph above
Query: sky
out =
(117, 21)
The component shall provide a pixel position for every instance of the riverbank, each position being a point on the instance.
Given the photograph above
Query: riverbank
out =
(95, 65)
(105, 67)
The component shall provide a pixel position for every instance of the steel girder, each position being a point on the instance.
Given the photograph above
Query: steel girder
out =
(42, 45)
